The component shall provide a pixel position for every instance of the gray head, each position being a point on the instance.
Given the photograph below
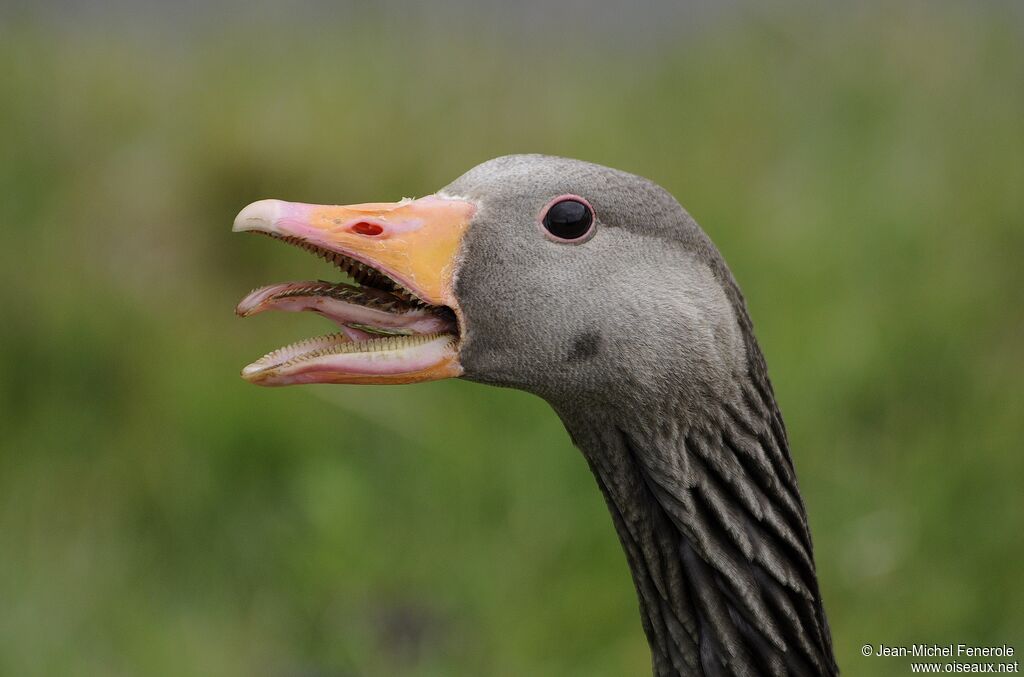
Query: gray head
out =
(638, 305)
(636, 309)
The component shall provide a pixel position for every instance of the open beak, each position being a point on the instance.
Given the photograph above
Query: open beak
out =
(398, 323)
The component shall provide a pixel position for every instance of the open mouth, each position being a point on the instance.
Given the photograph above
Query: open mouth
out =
(397, 323)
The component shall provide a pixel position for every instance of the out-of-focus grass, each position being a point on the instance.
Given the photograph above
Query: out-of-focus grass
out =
(861, 171)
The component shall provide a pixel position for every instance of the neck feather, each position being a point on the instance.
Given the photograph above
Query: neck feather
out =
(708, 511)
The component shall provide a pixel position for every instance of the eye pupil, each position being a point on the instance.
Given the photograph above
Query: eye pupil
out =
(568, 219)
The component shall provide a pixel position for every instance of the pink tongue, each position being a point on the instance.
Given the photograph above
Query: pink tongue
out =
(253, 301)
(356, 334)
(343, 313)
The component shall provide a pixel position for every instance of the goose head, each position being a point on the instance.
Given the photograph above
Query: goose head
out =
(577, 282)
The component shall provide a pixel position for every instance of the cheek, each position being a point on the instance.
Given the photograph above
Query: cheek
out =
(530, 309)
(511, 340)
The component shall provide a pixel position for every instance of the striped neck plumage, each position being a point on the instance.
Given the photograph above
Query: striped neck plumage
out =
(714, 530)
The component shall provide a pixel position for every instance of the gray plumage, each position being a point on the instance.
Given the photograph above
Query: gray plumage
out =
(641, 342)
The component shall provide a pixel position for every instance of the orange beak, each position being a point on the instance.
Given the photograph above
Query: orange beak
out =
(414, 242)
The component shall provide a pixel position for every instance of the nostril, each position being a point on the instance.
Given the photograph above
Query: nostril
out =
(367, 228)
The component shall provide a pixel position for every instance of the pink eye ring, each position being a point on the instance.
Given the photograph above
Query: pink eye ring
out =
(568, 219)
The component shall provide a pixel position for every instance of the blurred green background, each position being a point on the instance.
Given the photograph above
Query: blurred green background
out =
(861, 168)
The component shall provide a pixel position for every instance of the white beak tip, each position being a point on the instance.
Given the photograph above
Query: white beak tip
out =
(260, 215)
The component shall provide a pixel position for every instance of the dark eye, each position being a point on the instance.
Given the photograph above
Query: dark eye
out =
(569, 218)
